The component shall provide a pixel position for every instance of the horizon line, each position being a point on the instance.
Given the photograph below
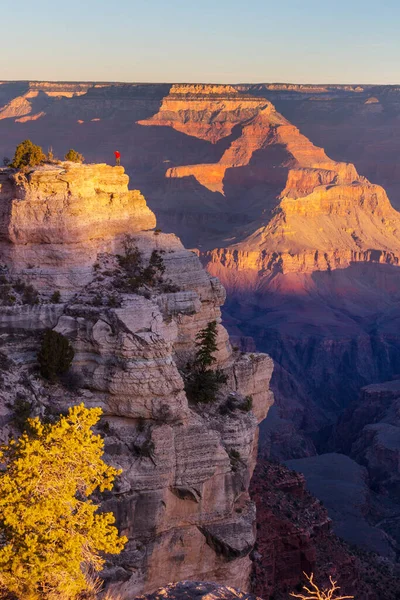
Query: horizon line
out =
(119, 82)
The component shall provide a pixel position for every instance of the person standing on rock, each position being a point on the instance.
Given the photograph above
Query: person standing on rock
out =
(117, 158)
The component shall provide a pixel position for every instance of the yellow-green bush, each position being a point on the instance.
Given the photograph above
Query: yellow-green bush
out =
(51, 533)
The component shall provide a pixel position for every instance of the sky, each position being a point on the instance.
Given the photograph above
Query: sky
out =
(299, 41)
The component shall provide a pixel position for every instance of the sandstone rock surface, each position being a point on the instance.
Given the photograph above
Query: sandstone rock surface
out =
(188, 590)
(57, 218)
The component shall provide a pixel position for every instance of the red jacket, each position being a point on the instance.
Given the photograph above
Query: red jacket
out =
(117, 154)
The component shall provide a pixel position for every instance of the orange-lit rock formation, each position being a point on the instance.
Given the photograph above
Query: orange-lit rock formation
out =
(55, 220)
(211, 115)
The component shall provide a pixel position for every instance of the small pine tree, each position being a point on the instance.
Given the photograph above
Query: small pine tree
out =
(74, 156)
(27, 154)
(157, 262)
(206, 342)
(51, 531)
(55, 355)
(314, 593)
(201, 382)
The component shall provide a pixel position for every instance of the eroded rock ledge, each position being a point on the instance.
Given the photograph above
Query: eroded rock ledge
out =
(182, 499)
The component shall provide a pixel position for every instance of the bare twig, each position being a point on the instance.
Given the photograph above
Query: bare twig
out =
(316, 594)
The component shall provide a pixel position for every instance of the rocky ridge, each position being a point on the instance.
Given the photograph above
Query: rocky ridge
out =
(182, 499)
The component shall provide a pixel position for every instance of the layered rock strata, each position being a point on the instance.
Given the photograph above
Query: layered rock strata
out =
(198, 111)
(57, 218)
(182, 499)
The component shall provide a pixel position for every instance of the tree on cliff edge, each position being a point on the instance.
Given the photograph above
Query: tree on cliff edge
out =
(27, 154)
(206, 342)
(51, 533)
(202, 384)
(74, 156)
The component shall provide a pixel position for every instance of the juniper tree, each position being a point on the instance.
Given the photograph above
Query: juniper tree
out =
(27, 154)
(55, 355)
(51, 533)
(74, 156)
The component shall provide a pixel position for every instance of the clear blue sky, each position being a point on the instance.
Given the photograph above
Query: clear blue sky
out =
(342, 41)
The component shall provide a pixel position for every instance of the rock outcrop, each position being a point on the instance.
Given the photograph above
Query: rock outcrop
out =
(191, 590)
(182, 499)
(56, 219)
(295, 536)
(369, 431)
(198, 111)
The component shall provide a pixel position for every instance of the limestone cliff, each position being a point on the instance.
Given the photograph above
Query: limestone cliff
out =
(182, 499)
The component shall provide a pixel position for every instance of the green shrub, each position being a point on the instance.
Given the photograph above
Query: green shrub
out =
(5, 362)
(114, 301)
(131, 261)
(27, 154)
(145, 450)
(56, 297)
(170, 288)
(6, 298)
(55, 355)
(137, 275)
(235, 459)
(22, 411)
(74, 156)
(228, 407)
(247, 404)
(157, 262)
(29, 295)
(97, 300)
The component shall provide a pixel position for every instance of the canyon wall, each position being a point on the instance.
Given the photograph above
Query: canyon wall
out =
(307, 247)
(182, 499)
